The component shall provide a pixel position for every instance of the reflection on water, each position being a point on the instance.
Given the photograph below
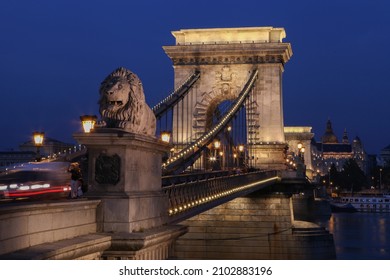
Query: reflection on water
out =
(361, 236)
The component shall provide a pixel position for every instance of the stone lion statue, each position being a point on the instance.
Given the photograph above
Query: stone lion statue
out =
(122, 103)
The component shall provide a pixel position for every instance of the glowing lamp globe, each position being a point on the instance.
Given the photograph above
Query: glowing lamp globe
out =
(38, 138)
(88, 122)
(165, 136)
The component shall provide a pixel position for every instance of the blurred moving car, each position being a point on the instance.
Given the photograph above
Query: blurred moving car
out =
(35, 180)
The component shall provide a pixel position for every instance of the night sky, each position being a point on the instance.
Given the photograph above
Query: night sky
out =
(54, 54)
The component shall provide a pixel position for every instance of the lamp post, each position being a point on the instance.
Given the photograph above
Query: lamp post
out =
(329, 182)
(301, 152)
(241, 156)
(217, 144)
(38, 142)
(221, 160)
(88, 122)
(380, 178)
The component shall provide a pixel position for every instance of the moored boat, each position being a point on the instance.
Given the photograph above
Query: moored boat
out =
(367, 202)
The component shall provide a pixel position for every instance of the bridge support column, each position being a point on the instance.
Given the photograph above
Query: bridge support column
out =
(261, 225)
(124, 172)
(267, 156)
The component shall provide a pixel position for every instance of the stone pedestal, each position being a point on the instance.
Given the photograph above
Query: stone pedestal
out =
(125, 174)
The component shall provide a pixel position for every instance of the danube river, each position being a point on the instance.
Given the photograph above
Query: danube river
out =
(361, 236)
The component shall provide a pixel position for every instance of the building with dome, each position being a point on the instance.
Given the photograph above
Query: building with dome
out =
(330, 151)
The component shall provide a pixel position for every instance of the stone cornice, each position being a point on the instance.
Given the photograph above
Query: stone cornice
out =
(299, 136)
(235, 34)
(216, 54)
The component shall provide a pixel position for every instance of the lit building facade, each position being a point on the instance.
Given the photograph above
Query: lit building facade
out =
(11, 158)
(319, 156)
(331, 151)
(49, 147)
(28, 152)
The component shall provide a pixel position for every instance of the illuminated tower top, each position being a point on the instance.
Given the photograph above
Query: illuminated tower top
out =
(229, 35)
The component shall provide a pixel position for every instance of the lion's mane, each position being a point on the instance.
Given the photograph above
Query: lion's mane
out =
(135, 116)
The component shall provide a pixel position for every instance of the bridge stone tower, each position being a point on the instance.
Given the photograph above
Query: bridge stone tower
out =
(225, 58)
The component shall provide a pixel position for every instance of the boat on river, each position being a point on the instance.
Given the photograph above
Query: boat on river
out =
(366, 202)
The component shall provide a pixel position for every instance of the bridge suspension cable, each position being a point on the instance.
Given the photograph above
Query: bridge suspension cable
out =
(192, 152)
(178, 94)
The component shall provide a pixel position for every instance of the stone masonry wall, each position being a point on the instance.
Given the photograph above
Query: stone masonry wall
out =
(253, 228)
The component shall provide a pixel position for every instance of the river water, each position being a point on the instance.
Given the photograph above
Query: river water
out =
(360, 236)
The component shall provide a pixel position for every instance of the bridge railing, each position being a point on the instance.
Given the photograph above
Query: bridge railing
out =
(171, 180)
(185, 196)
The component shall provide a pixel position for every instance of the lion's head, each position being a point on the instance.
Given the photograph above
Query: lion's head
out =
(122, 102)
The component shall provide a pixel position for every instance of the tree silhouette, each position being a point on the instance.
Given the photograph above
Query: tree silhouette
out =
(352, 178)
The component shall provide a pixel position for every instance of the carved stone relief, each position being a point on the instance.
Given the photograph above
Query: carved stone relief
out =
(107, 169)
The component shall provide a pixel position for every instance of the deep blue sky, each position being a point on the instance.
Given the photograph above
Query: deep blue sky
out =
(54, 54)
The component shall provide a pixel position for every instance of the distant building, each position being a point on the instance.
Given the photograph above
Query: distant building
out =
(385, 156)
(330, 151)
(11, 158)
(50, 147)
(319, 156)
(28, 152)
(295, 135)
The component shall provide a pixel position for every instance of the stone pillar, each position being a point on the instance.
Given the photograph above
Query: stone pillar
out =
(269, 147)
(303, 135)
(125, 173)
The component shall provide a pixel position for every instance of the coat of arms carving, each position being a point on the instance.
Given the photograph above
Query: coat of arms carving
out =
(107, 169)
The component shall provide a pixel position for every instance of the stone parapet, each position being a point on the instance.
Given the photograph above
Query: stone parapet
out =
(85, 247)
(27, 225)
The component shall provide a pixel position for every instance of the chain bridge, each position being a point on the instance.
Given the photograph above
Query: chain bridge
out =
(215, 186)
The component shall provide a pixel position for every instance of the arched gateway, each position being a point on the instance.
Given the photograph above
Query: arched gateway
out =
(225, 58)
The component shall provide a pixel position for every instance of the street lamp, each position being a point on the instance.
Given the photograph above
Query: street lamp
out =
(88, 122)
(380, 178)
(165, 136)
(38, 142)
